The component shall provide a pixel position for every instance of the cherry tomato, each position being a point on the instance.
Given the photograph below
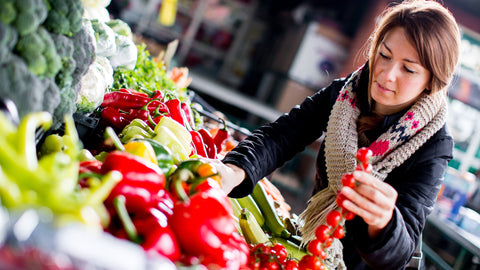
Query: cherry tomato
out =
(366, 167)
(333, 218)
(253, 262)
(315, 247)
(322, 232)
(340, 199)
(270, 265)
(364, 154)
(310, 262)
(347, 214)
(280, 252)
(348, 180)
(339, 232)
(291, 265)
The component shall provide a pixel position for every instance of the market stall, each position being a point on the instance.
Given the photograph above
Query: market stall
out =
(101, 157)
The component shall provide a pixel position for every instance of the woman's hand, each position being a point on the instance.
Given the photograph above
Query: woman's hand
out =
(371, 199)
(231, 175)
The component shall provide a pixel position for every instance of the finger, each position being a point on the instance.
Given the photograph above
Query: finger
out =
(375, 196)
(362, 204)
(377, 184)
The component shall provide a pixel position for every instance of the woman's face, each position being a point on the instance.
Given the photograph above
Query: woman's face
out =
(398, 78)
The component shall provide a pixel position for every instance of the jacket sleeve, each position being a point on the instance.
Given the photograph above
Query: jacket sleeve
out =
(273, 144)
(417, 182)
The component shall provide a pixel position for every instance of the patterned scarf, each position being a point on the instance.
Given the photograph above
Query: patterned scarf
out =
(390, 150)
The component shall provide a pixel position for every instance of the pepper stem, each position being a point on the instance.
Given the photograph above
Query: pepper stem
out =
(182, 176)
(119, 204)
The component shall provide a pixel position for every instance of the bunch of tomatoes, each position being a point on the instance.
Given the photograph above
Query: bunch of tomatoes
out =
(325, 233)
(263, 256)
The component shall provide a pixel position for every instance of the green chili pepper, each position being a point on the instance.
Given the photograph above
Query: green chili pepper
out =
(26, 137)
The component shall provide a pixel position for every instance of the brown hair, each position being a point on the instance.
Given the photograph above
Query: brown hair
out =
(434, 33)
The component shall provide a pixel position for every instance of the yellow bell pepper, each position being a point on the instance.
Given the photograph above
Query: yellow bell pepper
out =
(142, 149)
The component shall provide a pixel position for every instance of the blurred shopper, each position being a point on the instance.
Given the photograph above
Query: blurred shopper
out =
(395, 104)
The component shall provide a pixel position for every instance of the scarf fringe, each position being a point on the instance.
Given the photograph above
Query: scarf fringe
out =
(311, 217)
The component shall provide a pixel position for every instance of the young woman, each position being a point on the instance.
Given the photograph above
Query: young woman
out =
(395, 104)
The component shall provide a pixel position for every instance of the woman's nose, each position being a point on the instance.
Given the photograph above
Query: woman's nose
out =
(390, 72)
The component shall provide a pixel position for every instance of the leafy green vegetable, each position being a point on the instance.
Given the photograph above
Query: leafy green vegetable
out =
(147, 76)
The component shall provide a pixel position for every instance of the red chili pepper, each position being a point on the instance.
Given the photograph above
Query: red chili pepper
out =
(135, 171)
(161, 109)
(187, 111)
(209, 143)
(220, 137)
(137, 113)
(198, 143)
(114, 117)
(176, 112)
(157, 94)
(132, 91)
(124, 101)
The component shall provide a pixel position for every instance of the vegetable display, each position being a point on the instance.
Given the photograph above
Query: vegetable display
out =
(141, 177)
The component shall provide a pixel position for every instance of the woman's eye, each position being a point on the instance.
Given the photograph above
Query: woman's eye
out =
(409, 70)
(383, 55)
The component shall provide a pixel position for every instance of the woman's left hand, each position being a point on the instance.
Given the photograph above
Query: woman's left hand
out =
(371, 199)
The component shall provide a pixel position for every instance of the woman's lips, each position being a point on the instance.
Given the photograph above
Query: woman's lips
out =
(383, 89)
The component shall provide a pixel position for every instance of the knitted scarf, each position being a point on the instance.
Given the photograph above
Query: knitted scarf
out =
(390, 150)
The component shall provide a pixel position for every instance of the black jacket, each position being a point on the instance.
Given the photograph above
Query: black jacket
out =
(417, 181)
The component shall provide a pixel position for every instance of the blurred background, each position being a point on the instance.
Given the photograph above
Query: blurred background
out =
(253, 60)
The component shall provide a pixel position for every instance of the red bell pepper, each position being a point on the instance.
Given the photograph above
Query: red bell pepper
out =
(203, 223)
(220, 137)
(150, 230)
(88, 168)
(135, 170)
(141, 199)
(209, 143)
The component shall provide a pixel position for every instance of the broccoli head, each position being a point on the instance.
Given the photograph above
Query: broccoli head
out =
(64, 17)
(64, 47)
(8, 36)
(21, 86)
(68, 96)
(7, 12)
(51, 96)
(30, 14)
(39, 52)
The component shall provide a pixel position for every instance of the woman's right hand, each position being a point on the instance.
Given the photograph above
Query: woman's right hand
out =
(231, 175)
